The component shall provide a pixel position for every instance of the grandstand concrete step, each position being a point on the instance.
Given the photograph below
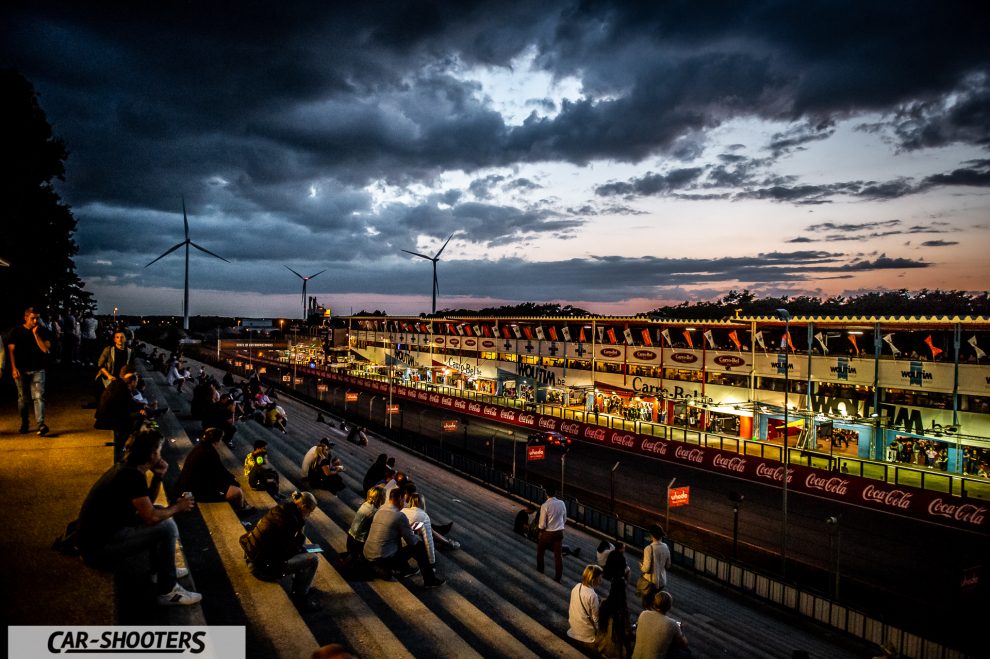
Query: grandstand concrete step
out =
(493, 572)
(267, 605)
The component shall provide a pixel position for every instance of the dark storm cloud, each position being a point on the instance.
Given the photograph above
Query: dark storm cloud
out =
(884, 263)
(282, 128)
(795, 138)
(975, 174)
(850, 232)
(939, 243)
(651, 184)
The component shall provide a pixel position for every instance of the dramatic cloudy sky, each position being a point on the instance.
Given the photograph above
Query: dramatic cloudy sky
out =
(611, 155)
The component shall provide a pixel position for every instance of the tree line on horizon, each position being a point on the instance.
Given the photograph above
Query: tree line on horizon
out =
(900, 302)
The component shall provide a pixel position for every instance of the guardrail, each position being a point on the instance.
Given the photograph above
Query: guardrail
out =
(895, 473)
(764, 587)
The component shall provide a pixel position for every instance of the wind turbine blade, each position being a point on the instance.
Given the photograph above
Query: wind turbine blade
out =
(443, 248)
(295, 273)
(185, 219)
(168, 252)
(203, 249)
(317, 274)
(422, 256)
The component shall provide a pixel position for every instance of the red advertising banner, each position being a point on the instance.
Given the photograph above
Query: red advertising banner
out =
(392, 409)
(449, 425)
(535, 453)
(351, 397)
(924, 505)
(679, 496)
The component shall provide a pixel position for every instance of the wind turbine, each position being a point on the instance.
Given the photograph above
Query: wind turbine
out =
(305, 281)
(435, 258)
(187, 242)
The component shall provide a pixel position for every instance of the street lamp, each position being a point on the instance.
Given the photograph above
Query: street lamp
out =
(834, 540)
(612, 485)
(736, 498)
(785, 316)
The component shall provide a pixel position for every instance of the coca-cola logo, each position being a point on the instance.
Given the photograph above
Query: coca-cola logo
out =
(474, 407)
(423, 395)
(729, 361)
(461, 404)
(734, 463)
(490, 410)
(893, 498)
(571, 428)
(508, 415)
(683, 358)
(658, 448)
(470, 343)
(690, 454)
(610, 352)
(527, 419)
(773, 473)
(438, 340)
(597, 434)
(966, 512)
(487, 344)
(454, 342)
(548, 422)
(830, 485)
(434, 398)
(625, 440)
(645, 354)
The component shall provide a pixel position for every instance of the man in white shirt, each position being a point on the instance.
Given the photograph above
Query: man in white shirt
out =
(553, 519)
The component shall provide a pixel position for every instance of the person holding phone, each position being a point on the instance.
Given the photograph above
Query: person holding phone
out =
(384, 547)
(276, 547)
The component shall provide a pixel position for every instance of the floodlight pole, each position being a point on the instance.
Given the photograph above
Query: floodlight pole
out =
(784, 315)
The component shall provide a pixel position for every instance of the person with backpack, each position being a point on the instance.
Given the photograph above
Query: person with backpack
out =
(275, 548)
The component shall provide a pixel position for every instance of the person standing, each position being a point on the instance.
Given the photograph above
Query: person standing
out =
(113, 358)
(28, 346)
(87, 335)
(656, 562)
(552, 521)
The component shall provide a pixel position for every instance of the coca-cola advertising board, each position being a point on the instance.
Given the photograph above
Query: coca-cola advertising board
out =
(923, 505)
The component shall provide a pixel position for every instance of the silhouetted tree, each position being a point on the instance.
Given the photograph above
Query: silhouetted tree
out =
(37, 227)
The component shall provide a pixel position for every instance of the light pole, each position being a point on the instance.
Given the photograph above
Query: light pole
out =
(785, 316)
(667, 520)
(563, 460)
(611, 477)
(834, 549)
(736, 498)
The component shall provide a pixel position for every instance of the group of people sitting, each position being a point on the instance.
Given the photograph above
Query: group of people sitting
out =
(221, 406)
(392, 527)
(604, 628)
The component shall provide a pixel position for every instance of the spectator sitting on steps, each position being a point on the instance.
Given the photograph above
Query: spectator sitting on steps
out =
(385, 550)
(119, 519)
(204, 475)
(275, 548)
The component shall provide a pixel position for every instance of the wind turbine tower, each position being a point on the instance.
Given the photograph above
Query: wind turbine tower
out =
(305, 281)
(187, 242)
(434, 259)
